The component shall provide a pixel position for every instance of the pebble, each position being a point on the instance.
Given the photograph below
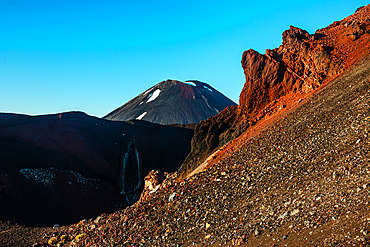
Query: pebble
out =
(97, 219)
(52, 240)
(283, 215)
(294, 212)
(172, 197)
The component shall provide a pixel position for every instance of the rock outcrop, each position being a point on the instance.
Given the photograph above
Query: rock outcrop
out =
(299, 66)
(151, 183)
(303, 62)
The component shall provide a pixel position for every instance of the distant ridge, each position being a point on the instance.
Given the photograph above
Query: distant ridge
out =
(173, 102)
(63, 167)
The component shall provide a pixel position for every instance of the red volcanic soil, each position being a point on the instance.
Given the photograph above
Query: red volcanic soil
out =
(66, 167)
(302, 64)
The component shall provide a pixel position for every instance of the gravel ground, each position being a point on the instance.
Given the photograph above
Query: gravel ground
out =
(302, 181)
(12, 234)
(305, 180)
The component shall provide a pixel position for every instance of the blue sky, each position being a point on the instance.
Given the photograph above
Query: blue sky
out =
(94, 56)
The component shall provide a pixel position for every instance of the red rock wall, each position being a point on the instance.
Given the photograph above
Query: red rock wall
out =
(301, 64)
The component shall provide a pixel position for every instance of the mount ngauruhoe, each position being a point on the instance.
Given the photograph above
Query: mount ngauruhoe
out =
(173, 102)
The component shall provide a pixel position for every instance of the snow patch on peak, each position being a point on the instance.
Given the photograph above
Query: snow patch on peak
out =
(208, 88)
(190, 83)
(154, 95)
(147, 91)
(141, 116)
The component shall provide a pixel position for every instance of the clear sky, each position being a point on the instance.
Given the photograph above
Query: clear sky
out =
(94, 56)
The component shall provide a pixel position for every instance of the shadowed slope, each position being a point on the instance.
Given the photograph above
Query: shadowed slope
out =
(62, 168)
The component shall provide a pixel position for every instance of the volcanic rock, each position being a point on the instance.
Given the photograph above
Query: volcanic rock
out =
(299, 66)
(152, 183)
(173, 102)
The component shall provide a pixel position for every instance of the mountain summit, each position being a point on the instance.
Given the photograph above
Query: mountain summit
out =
(173, 102)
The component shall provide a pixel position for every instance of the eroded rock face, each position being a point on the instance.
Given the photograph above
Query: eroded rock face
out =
(304, 61)
(300, 65)
(263, 76)
(151, 183)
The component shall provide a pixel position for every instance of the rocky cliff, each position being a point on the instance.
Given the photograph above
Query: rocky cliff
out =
(303, 63)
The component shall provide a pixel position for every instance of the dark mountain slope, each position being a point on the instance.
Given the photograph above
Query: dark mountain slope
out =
(173, 102)
(62, 168)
